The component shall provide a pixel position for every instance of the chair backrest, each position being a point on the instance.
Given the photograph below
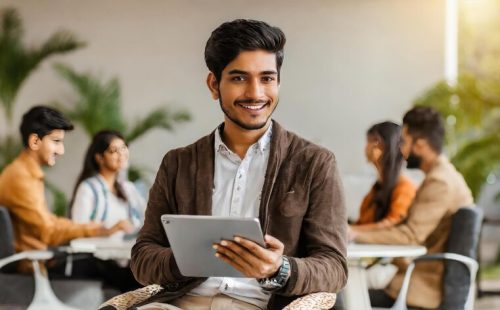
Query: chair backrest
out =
(7, 240)
(463, 239)
(6, 234)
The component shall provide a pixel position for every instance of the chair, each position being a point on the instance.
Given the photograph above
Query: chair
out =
(481, 292)
(315, 301)
(16, 289)
(460, 262)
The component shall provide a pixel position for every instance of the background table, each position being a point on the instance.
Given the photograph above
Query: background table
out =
(356, 295)
(114, 247)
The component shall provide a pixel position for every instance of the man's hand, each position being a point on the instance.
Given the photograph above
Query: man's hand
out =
(251, 259)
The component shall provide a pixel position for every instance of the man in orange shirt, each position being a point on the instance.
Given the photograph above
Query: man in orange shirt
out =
(22, 189)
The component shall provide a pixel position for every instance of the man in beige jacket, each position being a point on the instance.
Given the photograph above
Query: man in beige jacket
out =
(441, 194)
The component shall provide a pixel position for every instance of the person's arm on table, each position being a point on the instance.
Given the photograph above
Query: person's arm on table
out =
(423, 218)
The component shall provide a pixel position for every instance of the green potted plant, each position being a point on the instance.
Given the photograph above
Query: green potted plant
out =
(472, 117)
(97, 105)
(17, 62)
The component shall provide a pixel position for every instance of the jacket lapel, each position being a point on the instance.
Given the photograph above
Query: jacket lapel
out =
(278, 148)
(204, 175)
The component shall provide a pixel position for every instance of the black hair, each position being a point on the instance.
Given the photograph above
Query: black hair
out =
(388, 134)
(426, 123)
(100, 143)
(41, 120)
(231, 38)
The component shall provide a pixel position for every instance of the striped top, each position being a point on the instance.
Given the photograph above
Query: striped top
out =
(95, 202)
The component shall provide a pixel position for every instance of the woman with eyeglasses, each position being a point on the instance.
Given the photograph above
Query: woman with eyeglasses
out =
(100, 194)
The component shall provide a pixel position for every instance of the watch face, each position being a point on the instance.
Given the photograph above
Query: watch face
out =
(268, 284)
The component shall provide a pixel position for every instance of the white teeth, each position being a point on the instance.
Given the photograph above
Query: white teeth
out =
(253, 107)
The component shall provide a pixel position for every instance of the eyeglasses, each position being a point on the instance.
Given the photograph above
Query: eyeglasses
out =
(115, 150)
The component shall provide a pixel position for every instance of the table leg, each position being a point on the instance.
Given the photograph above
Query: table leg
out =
(44, 295)
(356, 295)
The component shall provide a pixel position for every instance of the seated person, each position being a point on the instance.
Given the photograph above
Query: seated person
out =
(249, 166)
(99, 193)
(390, 197)
(100, 196)
(440, 195)
(22, 189)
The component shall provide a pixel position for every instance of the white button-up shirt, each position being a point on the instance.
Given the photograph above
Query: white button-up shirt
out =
(237, 192)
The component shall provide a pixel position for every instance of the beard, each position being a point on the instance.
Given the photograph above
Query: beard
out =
(413, 161)
(240, 123)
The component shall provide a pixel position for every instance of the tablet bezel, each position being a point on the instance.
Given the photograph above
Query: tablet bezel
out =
(191, 238)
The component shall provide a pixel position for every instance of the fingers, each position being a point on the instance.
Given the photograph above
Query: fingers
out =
(232, 258)
(256, 250)
(273, 243)
(250, 258)
(244, 262)
(237, 253)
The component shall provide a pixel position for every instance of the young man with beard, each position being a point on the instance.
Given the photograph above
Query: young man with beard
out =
(22, 189)
(440, 195)
(249, 166)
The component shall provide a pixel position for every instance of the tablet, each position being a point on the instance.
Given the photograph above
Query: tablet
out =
(191, 238)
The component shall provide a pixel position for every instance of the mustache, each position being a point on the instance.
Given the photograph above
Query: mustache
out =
(249, 101)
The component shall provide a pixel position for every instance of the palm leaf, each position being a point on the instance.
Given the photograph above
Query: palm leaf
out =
(98, 103)
(11, 24)
(477, 160)
(58, 43)
(473, 139)
(159, 118)
(97, 106)
(17, 61)
(10, 147)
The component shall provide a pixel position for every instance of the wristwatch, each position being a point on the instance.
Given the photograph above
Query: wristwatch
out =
(280, 279)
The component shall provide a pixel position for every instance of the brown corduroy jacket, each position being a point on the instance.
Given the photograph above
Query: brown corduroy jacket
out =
(302, 205)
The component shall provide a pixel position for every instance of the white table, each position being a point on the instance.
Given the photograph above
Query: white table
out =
(114, 247)
(356, 291)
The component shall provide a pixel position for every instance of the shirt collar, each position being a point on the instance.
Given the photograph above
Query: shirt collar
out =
(262, 144)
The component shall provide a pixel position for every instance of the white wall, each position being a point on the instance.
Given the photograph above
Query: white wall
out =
(347, 65)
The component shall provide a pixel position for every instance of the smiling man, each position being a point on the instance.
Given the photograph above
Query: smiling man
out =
(249, 166)
(22, 189)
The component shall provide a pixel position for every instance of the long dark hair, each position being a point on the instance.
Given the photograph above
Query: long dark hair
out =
(388, 134)
(100, 143)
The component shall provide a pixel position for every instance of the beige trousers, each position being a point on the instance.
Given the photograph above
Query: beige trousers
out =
(188, 302)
